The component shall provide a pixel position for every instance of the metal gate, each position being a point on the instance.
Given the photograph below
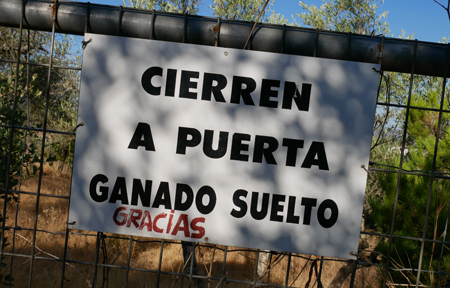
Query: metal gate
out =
(38, 129)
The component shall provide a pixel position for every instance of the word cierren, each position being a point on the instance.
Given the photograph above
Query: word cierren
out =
(213, 84)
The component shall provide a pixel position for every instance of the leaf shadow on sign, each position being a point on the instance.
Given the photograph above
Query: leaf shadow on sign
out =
(334, 124)
(113, 101)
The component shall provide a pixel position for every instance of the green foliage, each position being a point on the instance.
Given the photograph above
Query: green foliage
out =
(358, 16)
(6, 280)
(23, 102)
(410, 217)
(238, 9)
(63, 95)
(15, 153)
(362, 17)
(176, 6)
(19, 146)
(276, 18)
(247, 10)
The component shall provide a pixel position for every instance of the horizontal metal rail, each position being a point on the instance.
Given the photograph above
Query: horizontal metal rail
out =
(395, 55)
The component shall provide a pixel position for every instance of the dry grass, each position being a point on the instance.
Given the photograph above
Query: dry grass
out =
(145, 252)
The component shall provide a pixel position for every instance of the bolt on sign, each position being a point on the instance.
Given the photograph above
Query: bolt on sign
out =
(223, 146)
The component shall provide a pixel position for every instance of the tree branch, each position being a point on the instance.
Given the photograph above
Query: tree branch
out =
(445, 8)
(256, 22)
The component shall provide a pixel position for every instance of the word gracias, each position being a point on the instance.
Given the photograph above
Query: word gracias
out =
(204, 200)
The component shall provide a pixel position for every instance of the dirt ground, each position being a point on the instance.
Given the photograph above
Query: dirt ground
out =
(114, 250)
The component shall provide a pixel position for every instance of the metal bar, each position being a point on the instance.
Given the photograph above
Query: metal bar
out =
(34, 193)
(224, 267)
(193, 263)
(119, 28)
(72, 18)
(433, 168)
(37, 129)
(190, 26)
(16, 216)
(349, 46)
(288, 269)
(406, 237)
(269, 265)
(316, 40)
(185, 25)
(158, 275)
(38, 230)
(283, 38)
(152, 29)
(41, 64)
(128, 261)
(444, 234)
(64, 259)
(75, 68)
(11, 140)
(352, 281)
(96, 264)
(105, 270)
(400, 169)
(255, 271)
(319, 277)
(441, 175)
(412, 107)
(44, 133)
(190, 261)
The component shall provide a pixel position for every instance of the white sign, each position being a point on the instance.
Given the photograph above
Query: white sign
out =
(224, 146)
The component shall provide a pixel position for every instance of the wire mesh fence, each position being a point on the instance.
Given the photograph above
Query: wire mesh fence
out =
(403, 237)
